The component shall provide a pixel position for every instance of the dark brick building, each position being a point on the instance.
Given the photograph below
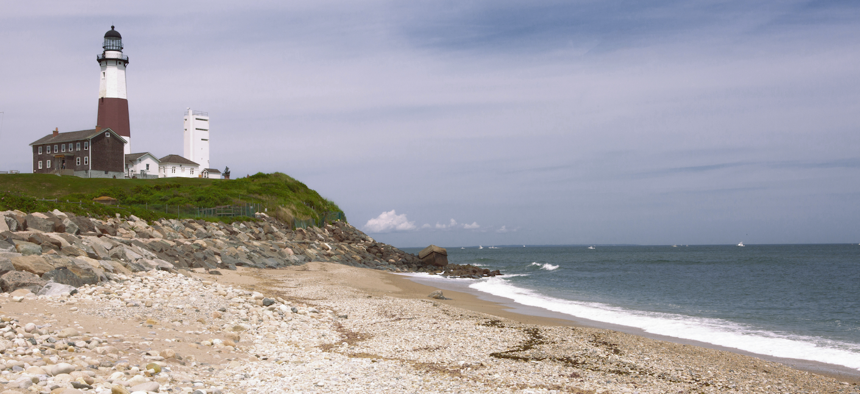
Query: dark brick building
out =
(95, 153)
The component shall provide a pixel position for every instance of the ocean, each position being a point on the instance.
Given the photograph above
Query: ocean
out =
(787, 301)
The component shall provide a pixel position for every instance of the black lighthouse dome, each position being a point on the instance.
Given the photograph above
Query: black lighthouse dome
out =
(113, 40)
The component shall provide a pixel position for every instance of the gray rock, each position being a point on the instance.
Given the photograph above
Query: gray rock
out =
(15, 280)
(5, 265)
(438, 295)
(11, 223)
(6, 245)
(27, 248)
(268, 301)
(148, 386)
(71, 276)
(71, 226)
(52, 289)
(40, 221)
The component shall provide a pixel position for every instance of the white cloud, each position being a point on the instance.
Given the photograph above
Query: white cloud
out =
(505, 229)
(451, 224)
(387, 222)
(472, 226)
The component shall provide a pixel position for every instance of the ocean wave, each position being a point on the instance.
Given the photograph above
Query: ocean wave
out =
(714, 331)
(546, 266)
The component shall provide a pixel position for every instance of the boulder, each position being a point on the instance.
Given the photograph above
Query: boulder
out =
(5, 265)
(33, 264)
(67, 276)
(71, 226)
(27, 248)
(15, 280)
(40, 221)
(434, 255)
(3, 225)
(52, 289)
(85, 225)
(438, 295)
(15, 222)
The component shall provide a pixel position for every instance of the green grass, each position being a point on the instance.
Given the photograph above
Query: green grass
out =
(280, 194)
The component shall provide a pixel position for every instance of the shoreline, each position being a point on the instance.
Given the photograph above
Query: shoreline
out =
(487, 303)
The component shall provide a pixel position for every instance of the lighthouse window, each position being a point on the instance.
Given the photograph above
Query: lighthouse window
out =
(86, 145)
(78, 146)
(103, 75)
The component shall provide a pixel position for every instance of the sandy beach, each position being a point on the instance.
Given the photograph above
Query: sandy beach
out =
(323, 327)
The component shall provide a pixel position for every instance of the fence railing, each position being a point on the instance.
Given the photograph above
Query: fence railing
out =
(192, 211)
(326, 217)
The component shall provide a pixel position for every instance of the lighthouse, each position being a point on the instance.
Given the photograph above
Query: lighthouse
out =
(113, 102)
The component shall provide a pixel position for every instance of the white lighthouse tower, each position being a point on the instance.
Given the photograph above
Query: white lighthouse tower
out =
(113, 102)
(195, 145)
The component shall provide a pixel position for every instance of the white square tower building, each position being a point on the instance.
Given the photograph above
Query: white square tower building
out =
(196, 137)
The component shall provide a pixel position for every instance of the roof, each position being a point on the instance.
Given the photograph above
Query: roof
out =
(73, 136)
(135, 156)
(212, 170)
(112, 33)
(177, 159)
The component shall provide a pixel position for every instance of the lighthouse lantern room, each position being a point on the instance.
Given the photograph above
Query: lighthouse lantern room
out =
(113, 101)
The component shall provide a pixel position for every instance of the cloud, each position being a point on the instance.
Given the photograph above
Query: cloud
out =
(388, 222)
(451, 224)
(472, 226)
(505, 229)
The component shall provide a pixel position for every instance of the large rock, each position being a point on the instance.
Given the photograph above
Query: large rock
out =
(41, 222)
(71, 276)
(5, 265)
(33, 264)
(14, 222)
(71, 226)
(27, 248)
(85, 225)
(52, 289)
(434, 255)
(3, 225)
(15, 280)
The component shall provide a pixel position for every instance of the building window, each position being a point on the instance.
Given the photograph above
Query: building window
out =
(147, 166)
(48, 149)
(107, 134)
(71, 147)
(192, 171)
(78, 146)
(56, 150)
(63, 147)
(77, 161)
(40, 150)
(40, 164)
(86, 160)
(86, 145)
(174, 169)
(48, 163)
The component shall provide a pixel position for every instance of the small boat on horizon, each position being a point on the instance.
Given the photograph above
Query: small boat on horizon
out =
(591, 247)
(480, 247)
(741, 244)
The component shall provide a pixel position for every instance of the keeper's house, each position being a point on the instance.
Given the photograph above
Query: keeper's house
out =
(95, 153)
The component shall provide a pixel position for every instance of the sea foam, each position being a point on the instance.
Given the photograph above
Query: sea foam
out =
(546, 266)
(714, 331)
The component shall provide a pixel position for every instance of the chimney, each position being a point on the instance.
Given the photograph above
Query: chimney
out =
(56, 131)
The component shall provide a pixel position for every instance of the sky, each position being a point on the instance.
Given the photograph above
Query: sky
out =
(461, 123)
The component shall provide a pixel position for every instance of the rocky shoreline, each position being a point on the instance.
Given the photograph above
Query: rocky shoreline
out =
(38, 248)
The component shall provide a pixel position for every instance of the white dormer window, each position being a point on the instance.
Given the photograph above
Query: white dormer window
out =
(107, 134)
